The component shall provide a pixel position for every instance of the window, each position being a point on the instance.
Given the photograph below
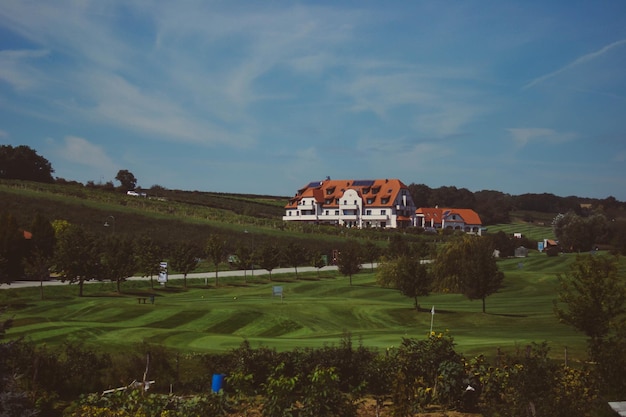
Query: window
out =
(345, 202)
(336, 212)
(368, 212)
(370, 201)
(327, 212)
(355, 202)
(384, 201)
(383, 212)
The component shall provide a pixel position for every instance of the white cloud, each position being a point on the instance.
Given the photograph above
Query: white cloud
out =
(82, 152)
(524, 136)
(16, 70)
(578, 61)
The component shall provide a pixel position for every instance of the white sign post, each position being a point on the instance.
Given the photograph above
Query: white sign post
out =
(163, 273)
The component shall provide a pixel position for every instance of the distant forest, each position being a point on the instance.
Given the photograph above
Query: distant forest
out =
(497, 207)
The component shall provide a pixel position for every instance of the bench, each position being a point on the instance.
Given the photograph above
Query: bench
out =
(141, 300)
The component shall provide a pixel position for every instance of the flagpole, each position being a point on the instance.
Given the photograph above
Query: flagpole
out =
(432, 318)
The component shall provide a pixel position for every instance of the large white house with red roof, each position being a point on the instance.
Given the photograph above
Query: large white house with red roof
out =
(384, 203)
(465, 220)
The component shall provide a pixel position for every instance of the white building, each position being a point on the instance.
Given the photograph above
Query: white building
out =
(384, 203)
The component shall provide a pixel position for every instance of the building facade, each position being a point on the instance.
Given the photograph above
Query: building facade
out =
(383, 203)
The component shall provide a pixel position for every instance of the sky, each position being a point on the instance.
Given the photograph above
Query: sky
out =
(263, 97)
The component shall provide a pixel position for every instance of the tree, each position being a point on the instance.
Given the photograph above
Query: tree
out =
(592, 296)
(149, 256)
(185, 258)
(371, 252)
(12, 249)
(318, 262)
(244, 259)
(295, 255)
(127, 179)
(215, 251)
(408, 275)
(269, 258)
(467, 265)
(118, 260)
(77, 256)
(578, 233)
(23, 163)
(40, 255)
(349, 262)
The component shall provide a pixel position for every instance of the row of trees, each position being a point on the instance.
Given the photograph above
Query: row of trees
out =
(464, 265)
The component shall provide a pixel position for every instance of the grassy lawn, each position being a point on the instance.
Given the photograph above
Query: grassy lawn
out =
(314, 312)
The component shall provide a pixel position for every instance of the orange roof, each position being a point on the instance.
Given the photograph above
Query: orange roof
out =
(334, 189)
(437, 214)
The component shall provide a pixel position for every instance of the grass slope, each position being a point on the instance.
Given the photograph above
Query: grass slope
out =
(315, 312)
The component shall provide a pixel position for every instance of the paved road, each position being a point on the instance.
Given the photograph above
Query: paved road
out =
(206, 275)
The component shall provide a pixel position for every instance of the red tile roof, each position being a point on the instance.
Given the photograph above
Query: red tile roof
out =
(331, 190)
(437, 214)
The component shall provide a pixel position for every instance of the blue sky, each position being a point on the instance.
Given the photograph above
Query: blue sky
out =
(265, 97)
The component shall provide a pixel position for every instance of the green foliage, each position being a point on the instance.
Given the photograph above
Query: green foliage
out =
(531, 384)
(592, 296)
(214, 248)
(184, 259)
(77, 256)
(127, 180)
(408, 274)
(576, 233)
(280, 394)
(349, 261)
(136, 403)
(23, 163)
(467, 265)
(323, 398)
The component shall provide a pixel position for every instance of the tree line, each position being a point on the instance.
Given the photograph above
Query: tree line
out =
(23, 163)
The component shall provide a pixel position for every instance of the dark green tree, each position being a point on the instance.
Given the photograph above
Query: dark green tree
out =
(118, 260)
(269, 258)
(467, 265)
(592, 296)
(371, 252)
(318, 262)
(407, 274)
(244, 259)
(127, 179)
(149, 256)
(185, 258)
(215, 250)
(349, 262)
(40, 254)
(579, 234)
(77, 256)
(295, 255)
(23, 163)
(12, 249)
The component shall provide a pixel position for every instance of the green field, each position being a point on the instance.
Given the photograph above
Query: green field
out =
(315, 311)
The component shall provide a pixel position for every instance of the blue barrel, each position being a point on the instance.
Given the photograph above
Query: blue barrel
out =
(218, 380)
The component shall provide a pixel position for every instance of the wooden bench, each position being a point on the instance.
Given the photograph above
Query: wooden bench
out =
(141, 300)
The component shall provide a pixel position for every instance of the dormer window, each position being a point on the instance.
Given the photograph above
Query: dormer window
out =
(384, 200)
(375, 190)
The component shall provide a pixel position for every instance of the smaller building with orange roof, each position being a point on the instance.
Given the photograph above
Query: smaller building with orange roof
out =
(466, 220)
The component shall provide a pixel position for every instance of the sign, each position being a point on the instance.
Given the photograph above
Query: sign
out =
(163, 273)
(540, 246)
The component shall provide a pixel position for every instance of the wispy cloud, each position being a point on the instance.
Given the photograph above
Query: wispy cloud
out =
(16, 70)
(578, 61)
(82, 152)
(524, 136)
